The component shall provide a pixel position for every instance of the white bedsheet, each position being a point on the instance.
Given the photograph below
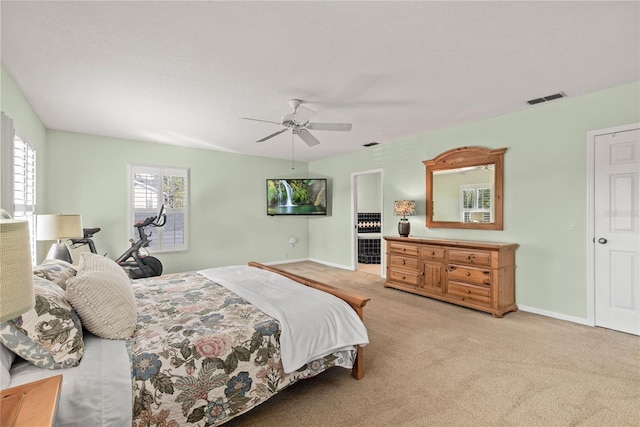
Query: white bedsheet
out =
(97, 392)
(313, 323)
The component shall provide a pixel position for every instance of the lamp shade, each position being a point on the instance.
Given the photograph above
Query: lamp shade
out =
(58, 227)
(404, 208)
(16, 275)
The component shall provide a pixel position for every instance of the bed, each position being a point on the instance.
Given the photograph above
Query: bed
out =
(207, 346)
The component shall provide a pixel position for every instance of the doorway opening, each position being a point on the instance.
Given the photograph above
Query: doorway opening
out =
(367, 220)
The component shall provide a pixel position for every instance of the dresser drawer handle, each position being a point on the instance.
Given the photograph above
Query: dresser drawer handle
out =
(469, 256)
(404, 262)
(403, 278)
(433, 253)
(467, 274)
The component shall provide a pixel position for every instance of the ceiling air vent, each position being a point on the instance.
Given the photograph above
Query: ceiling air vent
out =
(370, 144)
(546, 98)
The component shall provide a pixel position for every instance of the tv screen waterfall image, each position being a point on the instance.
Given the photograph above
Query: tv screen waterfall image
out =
(297, 196)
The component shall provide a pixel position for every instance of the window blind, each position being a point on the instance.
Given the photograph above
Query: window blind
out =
(19, 178)
(153, 186)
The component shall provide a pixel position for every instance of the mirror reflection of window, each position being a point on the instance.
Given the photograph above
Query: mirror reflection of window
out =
(476, 203)
(456, 191)
(468, 198)
(484, 198)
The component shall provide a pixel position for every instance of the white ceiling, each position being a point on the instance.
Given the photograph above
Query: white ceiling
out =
(185, 72)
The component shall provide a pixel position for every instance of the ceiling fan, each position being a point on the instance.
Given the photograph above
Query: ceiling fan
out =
(300, 125)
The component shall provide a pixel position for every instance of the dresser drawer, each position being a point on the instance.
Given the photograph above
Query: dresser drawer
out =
(431, 252)
(404, 248)
(403, 262)
(472, 275)
(408, 277)
(470, 257)
(469, 292)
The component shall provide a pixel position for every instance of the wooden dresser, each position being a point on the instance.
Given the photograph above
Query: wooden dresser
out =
(479, 275)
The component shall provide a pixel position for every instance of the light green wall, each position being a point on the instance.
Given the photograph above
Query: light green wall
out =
(545, 187)
(26, 121)
(229, 225)
(87, 174)
(368, 197)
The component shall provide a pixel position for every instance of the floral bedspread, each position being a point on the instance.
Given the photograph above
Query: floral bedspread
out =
(201, 355)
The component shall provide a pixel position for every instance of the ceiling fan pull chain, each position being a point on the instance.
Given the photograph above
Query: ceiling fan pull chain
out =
(292, 145)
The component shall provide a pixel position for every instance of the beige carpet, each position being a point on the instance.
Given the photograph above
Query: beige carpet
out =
(431, 363)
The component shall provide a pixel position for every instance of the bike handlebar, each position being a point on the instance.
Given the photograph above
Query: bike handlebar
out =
(146, 222)
(154, 221)
(89, 232)
(161, 221)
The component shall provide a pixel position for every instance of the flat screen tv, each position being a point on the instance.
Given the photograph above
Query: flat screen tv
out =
(297, 196)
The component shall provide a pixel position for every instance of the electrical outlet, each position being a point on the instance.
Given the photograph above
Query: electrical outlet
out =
(573, 225)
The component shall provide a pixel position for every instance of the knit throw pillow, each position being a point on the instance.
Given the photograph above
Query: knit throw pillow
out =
(102, 295)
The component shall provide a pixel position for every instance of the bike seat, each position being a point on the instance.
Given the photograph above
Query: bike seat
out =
(89, 232)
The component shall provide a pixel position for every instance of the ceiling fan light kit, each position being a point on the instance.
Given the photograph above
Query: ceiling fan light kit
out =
(301, 126)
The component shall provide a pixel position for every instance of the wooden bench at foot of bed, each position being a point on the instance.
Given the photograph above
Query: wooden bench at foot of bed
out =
(357, 302)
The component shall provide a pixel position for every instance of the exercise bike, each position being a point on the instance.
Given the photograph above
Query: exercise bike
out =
(138, 265)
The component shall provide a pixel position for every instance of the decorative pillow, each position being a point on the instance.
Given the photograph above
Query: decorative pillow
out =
(56, 270)
(6, 359)
(50, 334)
(102, 295)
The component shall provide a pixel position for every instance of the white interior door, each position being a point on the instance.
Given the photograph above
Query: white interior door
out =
(617, 230)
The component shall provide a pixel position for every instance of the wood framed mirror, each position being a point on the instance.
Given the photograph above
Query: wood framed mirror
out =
(464, 189)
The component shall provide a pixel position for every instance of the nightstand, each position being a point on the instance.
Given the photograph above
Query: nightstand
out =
(32, 404)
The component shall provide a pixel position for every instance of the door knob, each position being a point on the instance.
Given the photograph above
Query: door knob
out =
(602, 240)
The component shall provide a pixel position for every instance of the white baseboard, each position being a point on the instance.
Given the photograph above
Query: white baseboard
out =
(285, 261)
(528, 309)
(319, 261)
(554, 315)
(330, 264)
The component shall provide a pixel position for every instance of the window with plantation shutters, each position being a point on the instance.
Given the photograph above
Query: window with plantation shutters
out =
(19, 178)
(476, 203)
(150, 188)
(24, 174)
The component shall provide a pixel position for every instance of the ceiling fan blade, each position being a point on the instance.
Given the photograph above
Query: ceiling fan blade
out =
(307, 137)
(345, 127)
(258, 120)
(272, 135)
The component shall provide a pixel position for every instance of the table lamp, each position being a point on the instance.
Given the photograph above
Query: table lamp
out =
(404, 208)
(59, 227)
(16, 275)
